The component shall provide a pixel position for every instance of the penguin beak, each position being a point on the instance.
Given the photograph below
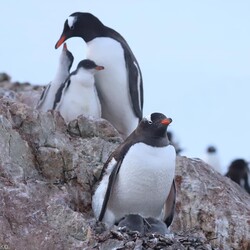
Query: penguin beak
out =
(166, 121)
(60, 41)
(99, 67)
(65, 46)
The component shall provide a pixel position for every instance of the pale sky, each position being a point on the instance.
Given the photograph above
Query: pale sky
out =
(194, 57)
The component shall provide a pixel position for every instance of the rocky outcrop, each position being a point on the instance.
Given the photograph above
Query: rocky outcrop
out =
(211, 204)
(48, 170)
(47, 173)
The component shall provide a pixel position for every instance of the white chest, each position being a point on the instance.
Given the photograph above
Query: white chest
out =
(80, 99)
(112, 83)
(144, 181)
(109, 53)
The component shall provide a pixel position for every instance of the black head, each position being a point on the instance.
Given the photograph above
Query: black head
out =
(156, 125)
(211, 149)
(89, 64)
(81, 24)
(239, 164)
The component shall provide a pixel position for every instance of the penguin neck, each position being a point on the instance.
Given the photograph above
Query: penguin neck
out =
(90, 34)
(154, 140)
(83, 78)
(62, 72)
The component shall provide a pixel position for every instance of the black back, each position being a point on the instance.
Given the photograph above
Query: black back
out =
(238, 172)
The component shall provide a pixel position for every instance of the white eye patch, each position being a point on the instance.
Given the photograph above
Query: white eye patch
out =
(71, 21)
(148, 118)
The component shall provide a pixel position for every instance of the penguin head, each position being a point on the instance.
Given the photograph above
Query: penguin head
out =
(89, 65)
(155, 125)
(211, 149)
(81, 24)
(66, 58)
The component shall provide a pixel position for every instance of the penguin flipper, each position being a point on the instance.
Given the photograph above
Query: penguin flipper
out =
(118, 156)
(135, 84)
(111, 182)
(59, 94)
(43, 96)
(169, 207)
(134, 74)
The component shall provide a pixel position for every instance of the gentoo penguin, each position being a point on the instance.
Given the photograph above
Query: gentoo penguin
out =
(120, 86)
(138, 177)
(48, 95)
(212, 159)
(78, 95)
(153, 225)
(134, 222)
(239, 172)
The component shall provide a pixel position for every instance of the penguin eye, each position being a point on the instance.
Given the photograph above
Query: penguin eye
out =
(150, 122)
(72, 27)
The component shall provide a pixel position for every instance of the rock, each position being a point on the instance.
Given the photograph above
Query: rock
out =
(46, 179)
(212, 204)
(89, 127)
(4, 77)
(22, 92)
(48, 171)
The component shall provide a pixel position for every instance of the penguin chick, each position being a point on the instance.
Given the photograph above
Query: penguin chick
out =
(48, 95)
(78, 95)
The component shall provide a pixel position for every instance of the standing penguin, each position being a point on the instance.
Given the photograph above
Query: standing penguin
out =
(138, 177)
(212, 159)
(120, 86)
(48, 95)
(78, 94)
(239, 172)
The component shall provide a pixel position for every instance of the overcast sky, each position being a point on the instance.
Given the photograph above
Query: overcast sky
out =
(194, 56)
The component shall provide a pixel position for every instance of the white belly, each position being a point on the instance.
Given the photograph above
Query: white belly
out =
(112, 84)
(144, 182)
(80, 101)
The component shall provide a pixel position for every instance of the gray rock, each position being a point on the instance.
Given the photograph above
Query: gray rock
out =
(48, 171)
(212, 204)
(46, 179)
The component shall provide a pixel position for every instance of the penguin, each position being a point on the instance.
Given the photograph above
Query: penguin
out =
(212, 159)
(153, 226)
(138, 177)
(78, 95)
(134, 222)
(239, 172)
(48, 95)
(120, 86)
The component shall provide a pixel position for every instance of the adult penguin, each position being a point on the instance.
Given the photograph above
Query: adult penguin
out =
(120, 86)
(138, 177)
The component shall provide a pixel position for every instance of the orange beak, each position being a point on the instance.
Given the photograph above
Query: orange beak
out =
(60, 41)
(166, 121)
(99, 67)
